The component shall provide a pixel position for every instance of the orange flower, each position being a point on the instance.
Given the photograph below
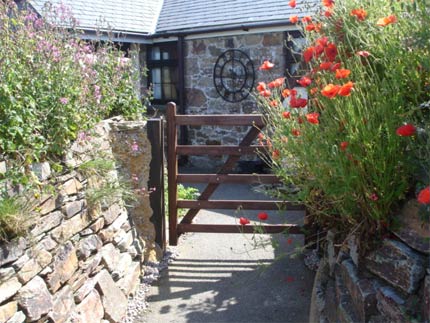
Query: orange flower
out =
(277, 83)
(294, 19)
(330, 90)
(310, 27)
(328, 3)
(261, 86)
(286, 93)
(307, 19)
(265, 93)
(266, 66)
(276, 154)
(386, 21)
(331, 52)
(313, 117)
(274, 103)
(308, 53)
(313, 91)
(292, 3)
(345, 90)
(286, 114)
(361, 14)
(304, 81)
(342, 73)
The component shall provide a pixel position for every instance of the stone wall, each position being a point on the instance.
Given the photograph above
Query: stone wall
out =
(83, 258)
(201, 95)
(389, 284)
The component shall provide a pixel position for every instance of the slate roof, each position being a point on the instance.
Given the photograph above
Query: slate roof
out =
(195, 15)
(129, 16)
(160, 17)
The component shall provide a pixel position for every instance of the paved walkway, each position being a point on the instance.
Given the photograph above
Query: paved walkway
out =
(226, 278)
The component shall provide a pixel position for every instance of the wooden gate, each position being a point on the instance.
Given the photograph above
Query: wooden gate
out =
(256, 123)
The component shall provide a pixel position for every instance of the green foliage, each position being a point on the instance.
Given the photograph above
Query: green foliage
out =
(54, 85)
(186, 193)
(13, 219)
(346, 160)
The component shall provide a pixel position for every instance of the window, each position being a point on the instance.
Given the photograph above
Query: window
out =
(162, 62)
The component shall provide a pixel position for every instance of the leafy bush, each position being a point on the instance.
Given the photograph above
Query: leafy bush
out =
(340, 145)
(53, 85)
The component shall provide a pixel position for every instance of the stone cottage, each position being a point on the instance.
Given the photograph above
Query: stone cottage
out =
(203, 55)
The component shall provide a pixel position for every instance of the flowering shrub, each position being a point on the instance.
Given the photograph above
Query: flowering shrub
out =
(351, 144)
(53, 85)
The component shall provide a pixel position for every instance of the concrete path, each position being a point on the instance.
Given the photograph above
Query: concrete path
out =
(233, 277)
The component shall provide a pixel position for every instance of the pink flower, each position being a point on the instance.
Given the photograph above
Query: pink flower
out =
(374, 197)
(134, 146)
(64, 101)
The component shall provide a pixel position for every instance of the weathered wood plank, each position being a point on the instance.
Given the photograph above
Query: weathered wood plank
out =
(235, 204)
(231, 228)
(218, 150)
(228, 178)
(221, 120)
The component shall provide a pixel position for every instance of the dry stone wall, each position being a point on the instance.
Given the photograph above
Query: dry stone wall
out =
(391, 283)
(82, 259)
(201, 95)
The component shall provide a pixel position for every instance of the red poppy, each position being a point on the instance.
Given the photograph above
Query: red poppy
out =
(294, 19)
(289, 241)
(363, 53)
(327, 13)
(261, 86)
(263, 216)
(424, 196)
(318, 50)
(298, 102)
(295, 132)
(274, 103)
(382, 22)
(324, 66)
(335, 66)
(308, 53)
(266, 66)
(345, 90)
(313, 117)
(342, 73)
(330, 90)
(331, 52)
(328, 3)
(307, 19)
(406, 130)
(286, 114)
(277, 83)
(244, 221)
(361, 14)
(343, 145)
(323, 41)
(276, 154)
(292, 3)
(304, 81)
(299, 120)
(265, 93)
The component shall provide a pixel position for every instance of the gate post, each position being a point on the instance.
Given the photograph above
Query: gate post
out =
(172, 171)
(155, 132)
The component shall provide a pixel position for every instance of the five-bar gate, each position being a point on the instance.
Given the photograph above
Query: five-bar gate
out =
(245, 147)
